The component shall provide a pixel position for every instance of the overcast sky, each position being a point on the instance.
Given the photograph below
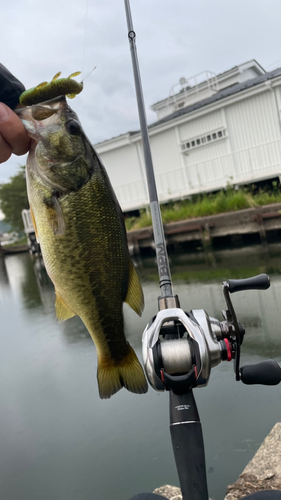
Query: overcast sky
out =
(175, 38)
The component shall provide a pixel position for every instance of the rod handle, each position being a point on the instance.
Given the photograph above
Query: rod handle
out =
(188, 446)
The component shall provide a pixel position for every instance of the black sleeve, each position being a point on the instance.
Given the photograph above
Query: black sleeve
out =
(10, 88)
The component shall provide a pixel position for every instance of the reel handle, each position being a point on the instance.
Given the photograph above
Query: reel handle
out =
(260, 282)
(265, 373)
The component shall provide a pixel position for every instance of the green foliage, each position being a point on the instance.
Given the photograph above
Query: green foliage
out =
(13, 199)
(228, 200)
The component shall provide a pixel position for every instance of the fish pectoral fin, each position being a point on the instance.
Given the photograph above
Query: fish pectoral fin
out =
(34, 224)
(134, 296)
(71, 96)
(55, 215)
(112, 375)
(62, 311)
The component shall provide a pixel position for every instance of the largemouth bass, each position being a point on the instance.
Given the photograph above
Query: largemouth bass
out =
(80, 227)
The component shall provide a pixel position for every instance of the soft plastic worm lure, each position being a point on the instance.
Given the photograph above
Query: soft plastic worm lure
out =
(46, 91)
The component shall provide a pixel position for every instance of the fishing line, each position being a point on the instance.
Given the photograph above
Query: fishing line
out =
(82, 81)
(84, 42)
(273, 64)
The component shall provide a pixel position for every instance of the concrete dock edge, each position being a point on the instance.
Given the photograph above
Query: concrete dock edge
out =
(263, 472)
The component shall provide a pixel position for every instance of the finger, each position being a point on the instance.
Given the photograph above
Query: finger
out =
(5, 150)
(13, 131)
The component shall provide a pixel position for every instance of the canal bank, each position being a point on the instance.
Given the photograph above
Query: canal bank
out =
(261, 223)
(10, 250)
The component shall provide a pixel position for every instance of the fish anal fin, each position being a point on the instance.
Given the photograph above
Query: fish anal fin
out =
(62, 311)
(134, 296)
(34, 224)
(128, 373)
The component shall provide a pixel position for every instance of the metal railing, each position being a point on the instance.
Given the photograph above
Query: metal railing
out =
(183, 93)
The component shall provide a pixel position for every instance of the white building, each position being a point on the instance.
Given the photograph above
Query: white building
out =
(8, 238)
(211, 131)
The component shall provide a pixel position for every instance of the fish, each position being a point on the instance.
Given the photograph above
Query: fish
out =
(80, 227)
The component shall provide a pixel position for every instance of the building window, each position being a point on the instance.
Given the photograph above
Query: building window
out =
(203, 140)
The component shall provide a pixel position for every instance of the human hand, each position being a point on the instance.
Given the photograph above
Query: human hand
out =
(13, 137)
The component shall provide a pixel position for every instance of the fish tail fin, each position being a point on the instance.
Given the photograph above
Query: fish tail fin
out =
(127, 372)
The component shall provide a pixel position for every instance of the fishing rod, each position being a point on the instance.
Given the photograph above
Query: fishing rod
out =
(179, 348)
(165, 282)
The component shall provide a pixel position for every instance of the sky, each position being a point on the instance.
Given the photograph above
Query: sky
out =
(175, 38)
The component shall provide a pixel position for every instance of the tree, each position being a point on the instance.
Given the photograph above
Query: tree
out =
(13, 199)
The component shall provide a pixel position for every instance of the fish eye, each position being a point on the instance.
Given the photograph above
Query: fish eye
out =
(72, 127)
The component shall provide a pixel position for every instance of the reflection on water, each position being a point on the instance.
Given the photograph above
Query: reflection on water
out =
(59, 440)
(4, 280)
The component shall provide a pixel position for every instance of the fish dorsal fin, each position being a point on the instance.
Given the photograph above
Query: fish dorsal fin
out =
(62, 311)
(41, 85)
(55, 216)
(134, 296)
(34, 224)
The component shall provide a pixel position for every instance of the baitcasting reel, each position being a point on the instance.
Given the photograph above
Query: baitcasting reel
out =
(180, 348)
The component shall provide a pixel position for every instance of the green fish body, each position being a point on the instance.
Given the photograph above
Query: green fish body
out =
(80, 227)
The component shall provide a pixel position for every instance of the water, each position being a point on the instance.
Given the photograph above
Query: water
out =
(58, 440)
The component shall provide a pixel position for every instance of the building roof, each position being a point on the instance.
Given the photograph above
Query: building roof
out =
(238, 69)
(116, 137)
(233, 89)
(226, 92)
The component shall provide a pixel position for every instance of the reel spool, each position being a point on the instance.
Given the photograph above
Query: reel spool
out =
(175, 351)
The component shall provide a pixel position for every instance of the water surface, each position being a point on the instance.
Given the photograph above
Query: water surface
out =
(58, 440)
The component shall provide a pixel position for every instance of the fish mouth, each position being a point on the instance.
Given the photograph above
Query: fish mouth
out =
(41, 121)
(40, 116)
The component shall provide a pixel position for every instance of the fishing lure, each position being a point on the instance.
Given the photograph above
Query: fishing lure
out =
(46, 91)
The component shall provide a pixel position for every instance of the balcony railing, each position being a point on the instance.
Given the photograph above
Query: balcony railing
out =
(240, 167)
